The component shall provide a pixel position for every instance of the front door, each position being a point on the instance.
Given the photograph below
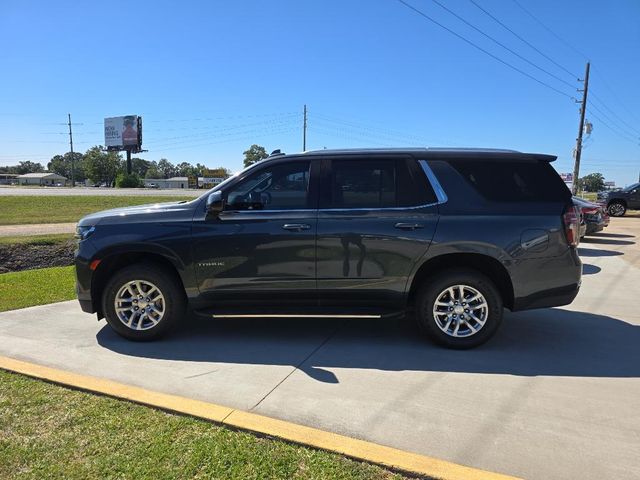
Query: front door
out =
(261, 248)
(377, 217)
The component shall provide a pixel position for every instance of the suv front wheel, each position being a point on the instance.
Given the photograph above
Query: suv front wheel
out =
(459, 309)
(143, 301)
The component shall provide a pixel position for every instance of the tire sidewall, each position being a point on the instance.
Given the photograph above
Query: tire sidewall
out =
(621, 214)
(166, 283)
(433, 288)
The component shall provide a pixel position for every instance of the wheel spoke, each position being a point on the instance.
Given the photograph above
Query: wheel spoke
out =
(471, 317)
(127, 311)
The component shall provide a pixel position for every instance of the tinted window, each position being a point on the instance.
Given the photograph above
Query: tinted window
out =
(377, 184)
(280, 187)
(363, 184)
(514, 181)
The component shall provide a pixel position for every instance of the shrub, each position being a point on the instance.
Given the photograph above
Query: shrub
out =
(124, 180)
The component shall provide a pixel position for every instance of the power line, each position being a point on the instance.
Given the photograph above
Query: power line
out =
(615, 95)
(486, 52)
(550, 30)
(524, 40)
(612, 121)
(632, 140)
(604, 105)
(497, 42)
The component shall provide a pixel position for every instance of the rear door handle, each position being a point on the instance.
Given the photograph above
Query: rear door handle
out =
(408, 226)
(296, 226)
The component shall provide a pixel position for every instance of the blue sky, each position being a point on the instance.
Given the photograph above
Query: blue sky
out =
(210, 78)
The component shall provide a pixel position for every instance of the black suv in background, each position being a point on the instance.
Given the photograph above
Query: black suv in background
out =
(619, 201)
(454, 235)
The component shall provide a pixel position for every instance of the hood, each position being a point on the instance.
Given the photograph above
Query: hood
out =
(138, 213)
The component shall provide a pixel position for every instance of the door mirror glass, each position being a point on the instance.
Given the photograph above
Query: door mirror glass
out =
(215, 203)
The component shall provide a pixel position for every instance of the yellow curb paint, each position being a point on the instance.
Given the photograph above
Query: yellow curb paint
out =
(313, 437)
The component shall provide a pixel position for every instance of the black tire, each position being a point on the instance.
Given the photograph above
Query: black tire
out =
(616, 209)
(166, 281)
(434, 286)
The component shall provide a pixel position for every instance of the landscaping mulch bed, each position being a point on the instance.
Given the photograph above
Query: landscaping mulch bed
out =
(15, 258)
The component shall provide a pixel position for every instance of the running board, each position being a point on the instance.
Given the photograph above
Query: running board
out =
(289, 315)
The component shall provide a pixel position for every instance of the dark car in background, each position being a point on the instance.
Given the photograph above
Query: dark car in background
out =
(594, 215)
(619, 201)
(453, 235)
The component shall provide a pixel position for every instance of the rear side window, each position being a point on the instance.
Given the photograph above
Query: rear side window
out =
(528, 181)
(376, 184)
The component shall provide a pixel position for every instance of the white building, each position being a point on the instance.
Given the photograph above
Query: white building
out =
(173, 182)
(42, 179)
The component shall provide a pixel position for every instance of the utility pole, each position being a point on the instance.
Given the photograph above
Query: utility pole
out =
(73, 176)
(583, 109)
(304, 130)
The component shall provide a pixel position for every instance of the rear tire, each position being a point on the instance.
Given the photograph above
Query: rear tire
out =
(143, 301)
(616, 209)
(459, 308)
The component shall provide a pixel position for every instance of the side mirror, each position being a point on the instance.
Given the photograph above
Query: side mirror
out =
(215, 203)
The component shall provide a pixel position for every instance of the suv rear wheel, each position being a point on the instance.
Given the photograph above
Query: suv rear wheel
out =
(617, 209)
(143, 301)
(459, 309)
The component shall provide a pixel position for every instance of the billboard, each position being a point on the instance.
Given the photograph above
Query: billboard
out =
(567, 177)
(123, 133)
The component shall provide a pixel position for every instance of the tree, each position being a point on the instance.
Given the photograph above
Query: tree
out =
(139, 166)
(594, 182)
(185, 169)
(125, 180)
(153, 171)
(254, 155)
(166, 168)
(61, 164)
(102, 167)
(28, 167)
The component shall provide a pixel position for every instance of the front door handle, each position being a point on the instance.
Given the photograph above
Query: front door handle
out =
(408, 226)
(296, 227)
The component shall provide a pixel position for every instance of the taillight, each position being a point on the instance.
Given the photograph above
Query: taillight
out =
(571, 220)
(590, 210)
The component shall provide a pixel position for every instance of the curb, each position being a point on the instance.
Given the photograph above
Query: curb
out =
(351, 447)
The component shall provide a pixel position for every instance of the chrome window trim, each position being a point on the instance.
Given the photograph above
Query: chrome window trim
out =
(433, 180)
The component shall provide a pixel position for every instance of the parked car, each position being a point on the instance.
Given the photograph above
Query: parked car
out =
(618, 202)
(152, 185)
(453, 235)
(595, 215)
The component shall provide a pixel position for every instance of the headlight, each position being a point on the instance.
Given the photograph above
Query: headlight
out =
(82, 233)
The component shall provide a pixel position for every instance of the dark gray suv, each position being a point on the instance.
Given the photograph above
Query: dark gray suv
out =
(619, 201)
(452, 235)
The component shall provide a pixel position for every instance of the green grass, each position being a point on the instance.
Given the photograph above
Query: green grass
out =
(49, 239)
(48, 431)
(36, 287)
(16, 210)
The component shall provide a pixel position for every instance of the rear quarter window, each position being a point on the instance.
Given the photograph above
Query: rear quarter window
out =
(526, 181)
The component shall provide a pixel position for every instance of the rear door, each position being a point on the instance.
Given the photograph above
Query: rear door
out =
(377, 217)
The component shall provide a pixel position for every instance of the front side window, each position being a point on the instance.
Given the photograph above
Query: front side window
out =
(280, 187)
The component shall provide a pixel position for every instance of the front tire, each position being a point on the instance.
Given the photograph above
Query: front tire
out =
(459, 309)
(143, 301)
(617, 209)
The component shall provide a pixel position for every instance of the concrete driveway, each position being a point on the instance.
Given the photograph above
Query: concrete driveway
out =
(556, 395)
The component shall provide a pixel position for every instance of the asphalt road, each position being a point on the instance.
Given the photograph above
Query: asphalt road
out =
(88, 191)
(555, 395)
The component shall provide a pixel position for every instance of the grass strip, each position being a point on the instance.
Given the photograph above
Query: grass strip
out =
(16, 210)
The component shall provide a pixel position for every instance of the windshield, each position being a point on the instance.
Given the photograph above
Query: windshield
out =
(631, 187)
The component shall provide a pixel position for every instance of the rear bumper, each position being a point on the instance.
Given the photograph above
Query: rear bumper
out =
(554, 297)
(547, 282)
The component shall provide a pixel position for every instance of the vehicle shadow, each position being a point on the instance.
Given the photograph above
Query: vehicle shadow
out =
(588, 269)
(607, 241)
(548, 342)
(612, 235)
(596, 252)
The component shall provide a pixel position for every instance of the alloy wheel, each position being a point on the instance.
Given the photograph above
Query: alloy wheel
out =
(139, 305)
(460, 311)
